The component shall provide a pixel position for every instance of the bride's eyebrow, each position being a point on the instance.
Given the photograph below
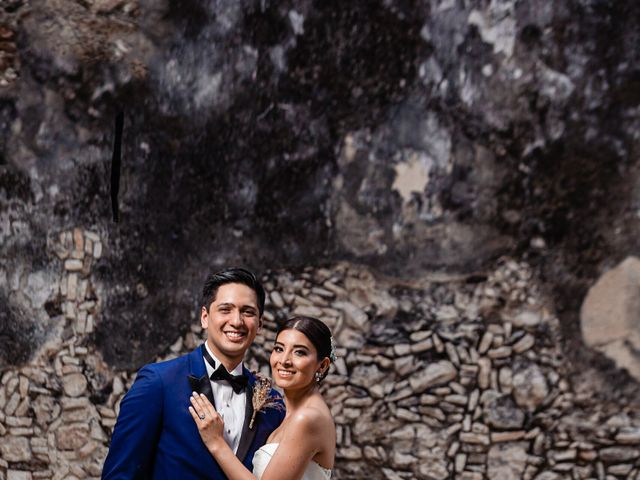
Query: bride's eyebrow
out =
(280, 344)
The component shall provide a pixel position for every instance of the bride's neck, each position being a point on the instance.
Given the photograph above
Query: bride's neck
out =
(294, 399)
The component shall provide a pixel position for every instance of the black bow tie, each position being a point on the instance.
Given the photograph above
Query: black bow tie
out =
(237, 382)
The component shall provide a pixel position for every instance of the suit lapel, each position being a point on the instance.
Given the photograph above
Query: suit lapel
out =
(200, 383)
(198, 378)
(247, 435)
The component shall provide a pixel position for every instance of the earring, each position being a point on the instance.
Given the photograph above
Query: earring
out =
(318, 377)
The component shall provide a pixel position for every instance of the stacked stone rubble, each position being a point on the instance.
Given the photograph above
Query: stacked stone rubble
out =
(49, 425)
(450, 379)
(444, 378)
(8, 55)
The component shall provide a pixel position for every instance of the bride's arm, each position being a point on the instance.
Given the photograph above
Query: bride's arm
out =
(211, 429)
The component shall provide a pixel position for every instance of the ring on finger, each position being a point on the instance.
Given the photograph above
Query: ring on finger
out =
(202, 415)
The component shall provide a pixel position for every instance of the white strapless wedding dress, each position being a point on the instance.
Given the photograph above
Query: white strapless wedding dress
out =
(263, 456)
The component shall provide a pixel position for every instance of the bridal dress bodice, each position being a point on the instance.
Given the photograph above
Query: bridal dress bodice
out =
(263, 456)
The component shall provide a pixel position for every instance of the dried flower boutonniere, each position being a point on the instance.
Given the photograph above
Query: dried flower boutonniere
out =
(261, 398)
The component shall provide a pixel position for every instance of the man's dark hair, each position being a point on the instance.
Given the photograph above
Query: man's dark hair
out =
(231, 275)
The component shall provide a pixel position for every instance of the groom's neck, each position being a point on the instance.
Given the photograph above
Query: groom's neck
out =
(229, 362)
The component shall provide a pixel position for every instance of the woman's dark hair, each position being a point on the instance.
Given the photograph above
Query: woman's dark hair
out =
(231, 275)
(316, 331)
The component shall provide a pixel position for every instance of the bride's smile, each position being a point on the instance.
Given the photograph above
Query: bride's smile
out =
(294, 360)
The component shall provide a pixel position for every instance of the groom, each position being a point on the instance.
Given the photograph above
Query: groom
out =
(155, 436)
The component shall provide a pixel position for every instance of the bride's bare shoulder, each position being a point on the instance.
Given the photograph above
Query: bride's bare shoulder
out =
(313, 418)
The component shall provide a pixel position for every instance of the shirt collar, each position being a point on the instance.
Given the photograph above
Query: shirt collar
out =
(210, 369)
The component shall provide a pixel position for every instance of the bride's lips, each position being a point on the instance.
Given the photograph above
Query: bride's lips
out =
(285, 373)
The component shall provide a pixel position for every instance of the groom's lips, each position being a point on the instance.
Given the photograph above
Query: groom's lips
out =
(234, 335)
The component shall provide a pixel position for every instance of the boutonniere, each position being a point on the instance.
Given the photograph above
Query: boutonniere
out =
(261, 398)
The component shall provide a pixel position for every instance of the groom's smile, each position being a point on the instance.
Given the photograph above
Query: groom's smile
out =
(235, 336)
(232, 322)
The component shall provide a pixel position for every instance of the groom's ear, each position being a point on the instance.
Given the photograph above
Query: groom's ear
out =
(204, 317)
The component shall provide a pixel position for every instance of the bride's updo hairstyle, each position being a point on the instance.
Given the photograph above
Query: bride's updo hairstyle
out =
(317, 332)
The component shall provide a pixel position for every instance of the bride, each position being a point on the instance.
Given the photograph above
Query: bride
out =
(304, 445)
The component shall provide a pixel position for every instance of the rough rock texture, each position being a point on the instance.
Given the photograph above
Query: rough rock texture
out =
(431, 382)
(422, 139)
(412, 136)
(610, 315)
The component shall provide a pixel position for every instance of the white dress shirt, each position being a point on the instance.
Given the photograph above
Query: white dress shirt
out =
(230, 405)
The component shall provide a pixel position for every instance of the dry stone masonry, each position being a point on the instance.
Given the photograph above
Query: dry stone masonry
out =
(50, 426)
(405, 136)
(443, 378)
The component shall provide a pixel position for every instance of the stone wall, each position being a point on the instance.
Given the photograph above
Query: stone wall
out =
(408, 135)
(455, 174)
(445, 377)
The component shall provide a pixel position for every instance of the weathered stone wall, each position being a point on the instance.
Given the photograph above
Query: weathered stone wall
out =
(474, 164)
(444, 377)
(411, 136)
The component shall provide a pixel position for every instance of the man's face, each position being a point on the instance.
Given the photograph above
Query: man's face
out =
(232, 322)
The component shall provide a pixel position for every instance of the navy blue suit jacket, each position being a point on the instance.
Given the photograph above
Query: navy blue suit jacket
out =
(155, 436)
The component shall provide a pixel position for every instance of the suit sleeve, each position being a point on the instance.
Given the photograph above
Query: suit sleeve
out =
(137, 429)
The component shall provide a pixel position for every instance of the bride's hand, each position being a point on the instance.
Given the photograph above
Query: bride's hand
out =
(208, 420)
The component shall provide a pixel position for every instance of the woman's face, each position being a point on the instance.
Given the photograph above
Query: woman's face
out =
(294, 360)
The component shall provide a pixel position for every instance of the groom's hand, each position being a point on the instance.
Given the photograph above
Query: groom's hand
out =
(209, 422)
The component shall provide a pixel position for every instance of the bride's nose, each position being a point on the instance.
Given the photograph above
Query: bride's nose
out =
(286, 358)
